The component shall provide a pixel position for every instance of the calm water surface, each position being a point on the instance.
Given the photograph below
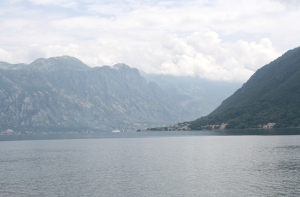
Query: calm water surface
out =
(160, 164)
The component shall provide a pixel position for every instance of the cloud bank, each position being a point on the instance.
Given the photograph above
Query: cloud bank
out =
(213, 39)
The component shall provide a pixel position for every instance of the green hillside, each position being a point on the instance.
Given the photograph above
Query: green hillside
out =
(272, 94)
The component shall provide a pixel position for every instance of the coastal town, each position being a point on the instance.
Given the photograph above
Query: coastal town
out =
(186, 127)
(176, 127)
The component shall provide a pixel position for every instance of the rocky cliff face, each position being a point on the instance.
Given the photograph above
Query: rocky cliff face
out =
(62, 93)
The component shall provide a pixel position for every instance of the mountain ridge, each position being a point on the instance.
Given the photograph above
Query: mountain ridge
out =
(53, 95)
(270, 95)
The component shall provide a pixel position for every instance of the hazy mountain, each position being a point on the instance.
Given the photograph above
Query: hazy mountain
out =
(57, 63)
(196, 96)
(62, 93)
(4, 65)
(271, 95)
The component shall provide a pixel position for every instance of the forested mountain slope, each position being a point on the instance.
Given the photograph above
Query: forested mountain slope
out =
(272, 94)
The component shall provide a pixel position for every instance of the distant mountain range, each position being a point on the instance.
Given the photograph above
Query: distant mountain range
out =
(64, 94)
(271, 95)
(197, 97)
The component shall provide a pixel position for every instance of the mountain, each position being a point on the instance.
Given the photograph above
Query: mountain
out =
(5, 65)
(57, 63)
(271, 95)
(196, 96)
(64, 94)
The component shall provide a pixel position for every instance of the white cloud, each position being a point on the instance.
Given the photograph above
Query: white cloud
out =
(218, 40)
(291, 4)
(5, 56)
(201, 54)
(62, 3)
(204, 54)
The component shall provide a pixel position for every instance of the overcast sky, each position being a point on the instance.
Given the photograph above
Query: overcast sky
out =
(214, 39)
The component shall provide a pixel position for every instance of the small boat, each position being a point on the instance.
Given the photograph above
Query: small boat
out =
(116, 131)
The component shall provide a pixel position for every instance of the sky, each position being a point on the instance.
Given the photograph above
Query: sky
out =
(222, 40)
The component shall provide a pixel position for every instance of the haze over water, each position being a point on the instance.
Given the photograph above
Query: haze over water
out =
(154, 164)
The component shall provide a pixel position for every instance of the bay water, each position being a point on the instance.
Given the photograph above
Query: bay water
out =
(152, 164)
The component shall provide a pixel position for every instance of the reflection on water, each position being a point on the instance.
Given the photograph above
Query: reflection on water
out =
(152, 164)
